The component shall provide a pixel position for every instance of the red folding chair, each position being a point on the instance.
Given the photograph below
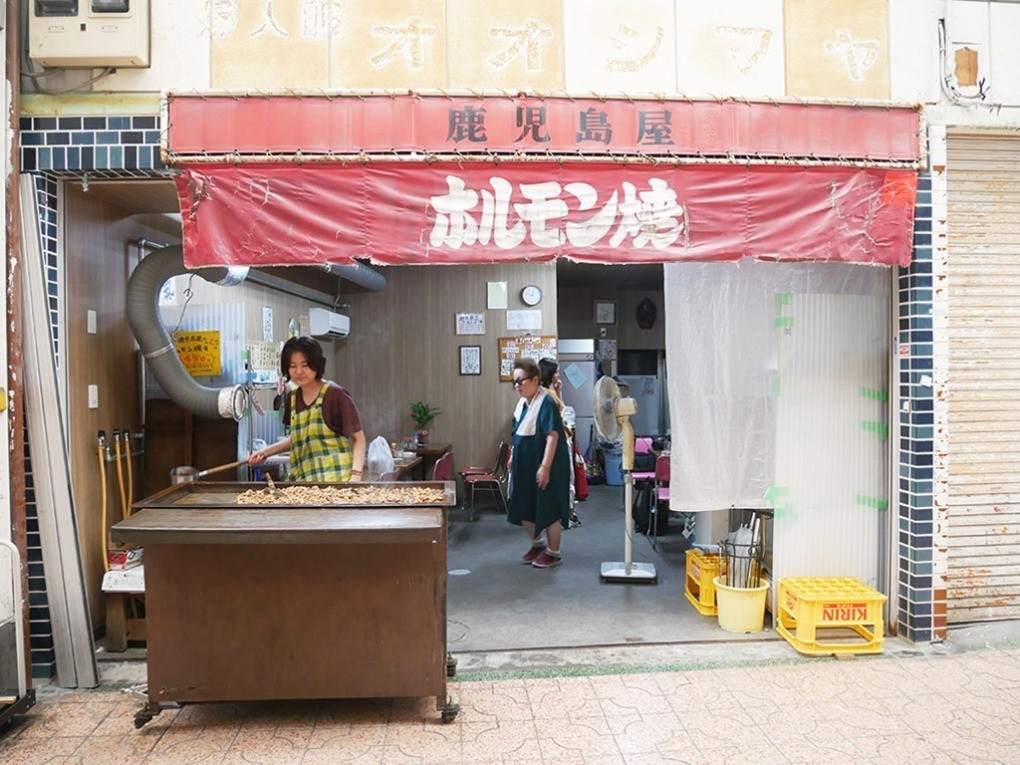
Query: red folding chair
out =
(501, 454)
(443, 469)
(660, 496)
(642, 445)
(493, 481)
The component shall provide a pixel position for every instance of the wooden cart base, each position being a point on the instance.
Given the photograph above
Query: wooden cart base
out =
(294, 603)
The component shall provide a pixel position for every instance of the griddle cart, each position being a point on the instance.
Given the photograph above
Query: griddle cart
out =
(257, 602)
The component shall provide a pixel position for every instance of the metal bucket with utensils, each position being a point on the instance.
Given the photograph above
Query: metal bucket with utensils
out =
(188, 474)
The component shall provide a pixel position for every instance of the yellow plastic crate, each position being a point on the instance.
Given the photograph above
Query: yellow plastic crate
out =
(699, 589)
(810, 606)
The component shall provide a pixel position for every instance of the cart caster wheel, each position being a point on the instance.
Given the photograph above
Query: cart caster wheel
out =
(450, 713)
(142, 716)
(451, 666)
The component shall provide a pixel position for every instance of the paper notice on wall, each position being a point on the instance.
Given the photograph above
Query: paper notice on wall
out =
(470, 324)
(575, 375)
(525, 319)
(199, 352)
(267, 322)
(262, 354)
(496, 296)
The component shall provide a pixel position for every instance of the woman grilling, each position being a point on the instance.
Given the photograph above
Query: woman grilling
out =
(326, 442)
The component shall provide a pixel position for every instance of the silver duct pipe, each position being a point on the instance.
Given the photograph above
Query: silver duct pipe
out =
(273, 282)
(143, 315)
(358, 273)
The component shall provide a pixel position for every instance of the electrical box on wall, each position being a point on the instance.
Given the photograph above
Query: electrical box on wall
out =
(89, 33)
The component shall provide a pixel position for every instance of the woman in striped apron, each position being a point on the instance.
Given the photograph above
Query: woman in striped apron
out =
(326, 442)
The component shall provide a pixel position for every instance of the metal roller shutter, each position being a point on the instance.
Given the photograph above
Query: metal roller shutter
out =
(983, 174)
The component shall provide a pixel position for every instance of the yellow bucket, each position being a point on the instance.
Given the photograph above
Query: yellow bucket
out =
(741, 609)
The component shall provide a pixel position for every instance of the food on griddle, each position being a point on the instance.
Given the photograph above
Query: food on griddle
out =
(342, 495)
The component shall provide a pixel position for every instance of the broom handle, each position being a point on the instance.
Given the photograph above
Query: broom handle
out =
(218, 468)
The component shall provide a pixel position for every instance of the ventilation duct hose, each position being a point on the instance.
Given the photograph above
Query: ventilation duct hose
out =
(357, 273)
(143, 315)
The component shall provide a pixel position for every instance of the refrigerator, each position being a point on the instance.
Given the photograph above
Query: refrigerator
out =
(577, 374)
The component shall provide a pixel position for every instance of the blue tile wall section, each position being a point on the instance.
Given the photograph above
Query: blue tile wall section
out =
(103, 147)
(917, 601)
(71, 147)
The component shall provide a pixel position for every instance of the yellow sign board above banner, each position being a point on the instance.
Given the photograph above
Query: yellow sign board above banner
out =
(199, 352)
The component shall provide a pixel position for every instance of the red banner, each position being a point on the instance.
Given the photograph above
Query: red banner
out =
(202, 126)
(400, 213)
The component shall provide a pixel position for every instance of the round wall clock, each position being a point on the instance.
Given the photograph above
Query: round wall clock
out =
(531, 295)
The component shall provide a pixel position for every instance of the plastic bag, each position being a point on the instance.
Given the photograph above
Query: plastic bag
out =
(380, 458)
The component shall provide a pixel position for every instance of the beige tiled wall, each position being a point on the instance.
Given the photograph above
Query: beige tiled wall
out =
(742, 48)
(614, 47)
(264, 45)
(730, 47)
(391, 44)
(506, 46)
(837, 49)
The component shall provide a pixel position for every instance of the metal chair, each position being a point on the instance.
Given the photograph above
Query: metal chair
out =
(501, 455)
(493, 481)
(390, 475)
(660, 496)
(443, 469)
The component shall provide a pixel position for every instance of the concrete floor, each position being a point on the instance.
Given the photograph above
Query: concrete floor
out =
(932, 709)
(497, 604)
(636, 702)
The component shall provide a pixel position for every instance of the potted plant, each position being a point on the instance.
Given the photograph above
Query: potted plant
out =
(423, 414)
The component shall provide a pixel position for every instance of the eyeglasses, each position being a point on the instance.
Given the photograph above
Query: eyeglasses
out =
(521, 380)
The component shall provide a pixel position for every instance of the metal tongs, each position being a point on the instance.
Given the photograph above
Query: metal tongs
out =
(271, 488)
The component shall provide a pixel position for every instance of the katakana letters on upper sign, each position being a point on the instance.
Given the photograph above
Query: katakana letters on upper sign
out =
(858, 55)
(527, 41)
(626, 41)
(410, 41)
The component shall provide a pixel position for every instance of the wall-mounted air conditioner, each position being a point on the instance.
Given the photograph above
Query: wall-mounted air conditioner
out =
(89, 33)
(323, 323)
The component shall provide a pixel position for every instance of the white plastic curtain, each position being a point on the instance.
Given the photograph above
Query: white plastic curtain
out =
(778, 397)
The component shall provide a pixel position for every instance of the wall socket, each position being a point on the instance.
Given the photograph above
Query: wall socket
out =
(90, 322)
(93, 397)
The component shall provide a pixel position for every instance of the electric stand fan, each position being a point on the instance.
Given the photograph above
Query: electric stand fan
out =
(612, 417)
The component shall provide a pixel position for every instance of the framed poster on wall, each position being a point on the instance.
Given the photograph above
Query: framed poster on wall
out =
(470, 324)
(605, 312)
(470, 359)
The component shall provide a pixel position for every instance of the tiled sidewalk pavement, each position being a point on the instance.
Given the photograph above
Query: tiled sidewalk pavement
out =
(943, 709)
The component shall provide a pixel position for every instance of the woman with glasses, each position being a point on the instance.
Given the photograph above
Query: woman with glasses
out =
(540, 472)
(326, 442)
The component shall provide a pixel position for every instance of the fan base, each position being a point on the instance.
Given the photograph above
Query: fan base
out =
(639, 573)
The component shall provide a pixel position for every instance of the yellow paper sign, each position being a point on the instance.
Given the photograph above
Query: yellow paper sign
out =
(199, 352)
